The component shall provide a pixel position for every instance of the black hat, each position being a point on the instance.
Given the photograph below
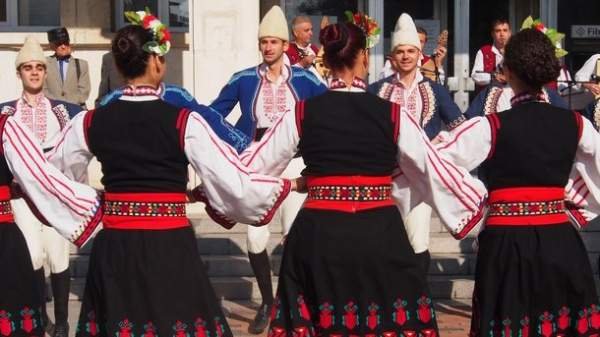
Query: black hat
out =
(58, 36)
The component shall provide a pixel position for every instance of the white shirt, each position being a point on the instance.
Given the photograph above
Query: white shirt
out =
(408, 97)
(477, 74)
(39, 118)
(274, 98)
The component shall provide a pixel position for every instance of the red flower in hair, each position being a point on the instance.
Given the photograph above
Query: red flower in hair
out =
(166, 36)
(147, 19)
(539, 26)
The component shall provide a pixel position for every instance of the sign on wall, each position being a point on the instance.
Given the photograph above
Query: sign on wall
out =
(585, 31)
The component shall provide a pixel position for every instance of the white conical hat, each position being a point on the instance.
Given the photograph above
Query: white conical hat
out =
(405, 32)
(31, 51)
(274, 24)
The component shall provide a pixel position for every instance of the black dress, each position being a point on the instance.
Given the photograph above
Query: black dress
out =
(349, 269)
(533, 276)
(145, 276)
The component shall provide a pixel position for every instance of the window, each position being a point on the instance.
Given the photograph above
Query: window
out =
(174, 13)
(29, 15)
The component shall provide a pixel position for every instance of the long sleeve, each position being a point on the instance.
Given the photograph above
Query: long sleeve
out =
(476, 108)
(425, 175)
(71, 154)
(469, 144)
(232, 191)
(182, 98)
(73, 209)
(583, 188)
(477, 74)
(228, 97)
(277, 147)
(449, 111)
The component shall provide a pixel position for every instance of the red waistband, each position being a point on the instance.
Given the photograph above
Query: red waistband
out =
(527, 206)
(348, 193)
(146, 211)
(6, 214)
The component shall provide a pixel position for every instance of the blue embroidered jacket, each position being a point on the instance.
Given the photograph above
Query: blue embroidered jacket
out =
(438, 106)
(181, 98)
(57, 106)
(486, 101)
(244, 86)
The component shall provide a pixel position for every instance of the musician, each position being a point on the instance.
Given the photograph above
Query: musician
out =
(489, 57)
(437, 58)
(300, 51)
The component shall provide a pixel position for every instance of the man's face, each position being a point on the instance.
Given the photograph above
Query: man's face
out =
(303, 33)
(501, 34)
(422, 40)
(405, 58)
(32, 74)
(272, 49)
(61, 49)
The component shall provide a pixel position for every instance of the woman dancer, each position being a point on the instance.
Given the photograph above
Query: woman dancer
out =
(533, 276)
(348, 267)
(145, 276)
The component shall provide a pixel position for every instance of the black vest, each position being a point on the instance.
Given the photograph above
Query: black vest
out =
(535, 147)
(139, 147)
(348, 134)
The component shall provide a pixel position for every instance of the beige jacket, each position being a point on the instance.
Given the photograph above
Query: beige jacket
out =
(73, 90)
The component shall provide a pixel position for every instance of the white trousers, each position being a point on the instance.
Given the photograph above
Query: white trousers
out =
(417, 225)
(44, 243)
(258, 237)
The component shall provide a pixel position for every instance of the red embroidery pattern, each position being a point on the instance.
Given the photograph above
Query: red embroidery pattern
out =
(28, 322)
(337, 83)
(34, 116)
(5, 208)
(527, 208)
(409, 102)
(424, 310)
(91, 327)
(274, 103)
(400, 315)
(136, 208)
(350, 193)
(141, 91)
(7, 326)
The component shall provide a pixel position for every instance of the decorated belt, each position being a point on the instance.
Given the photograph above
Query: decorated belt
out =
(348, 193)
(150, 211)
(527, 206)
(6, 213)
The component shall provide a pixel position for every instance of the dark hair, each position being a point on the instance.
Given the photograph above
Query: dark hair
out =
(342, 42)
(421, 30)
(530, 55)
(130, 58)
(499, 21)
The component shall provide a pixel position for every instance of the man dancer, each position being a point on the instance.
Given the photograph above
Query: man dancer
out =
(45, 118)
(428, 102)
(489, 57)
(265, 92)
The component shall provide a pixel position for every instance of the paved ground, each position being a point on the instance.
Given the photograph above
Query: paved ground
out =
(453, 317)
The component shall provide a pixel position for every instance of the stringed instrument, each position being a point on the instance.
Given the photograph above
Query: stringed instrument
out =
(428, 69)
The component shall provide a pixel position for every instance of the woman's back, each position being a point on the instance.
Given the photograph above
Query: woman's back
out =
(348, 133)
(535, 145)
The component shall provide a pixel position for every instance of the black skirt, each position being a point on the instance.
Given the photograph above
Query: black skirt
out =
(20, 287)
(346, 274)
(533, 281)
(145, 283)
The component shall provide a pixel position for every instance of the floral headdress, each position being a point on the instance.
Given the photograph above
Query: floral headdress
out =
(367, 24)
(554, 36)
(161, 43)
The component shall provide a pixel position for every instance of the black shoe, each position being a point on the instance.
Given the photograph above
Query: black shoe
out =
(49, 327)
(61, 330)
(261, 320)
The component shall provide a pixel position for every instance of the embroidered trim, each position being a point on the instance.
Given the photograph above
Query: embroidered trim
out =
(527, 208)
(527, 97)
(61, 113)
(337, 83)
(85, 230)
(457, 122)
(429, 102)
(597, 114)
(386, 91)
(141, 91)
(138, 208)
(350, 193)
(8, 110)
(491, 100)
